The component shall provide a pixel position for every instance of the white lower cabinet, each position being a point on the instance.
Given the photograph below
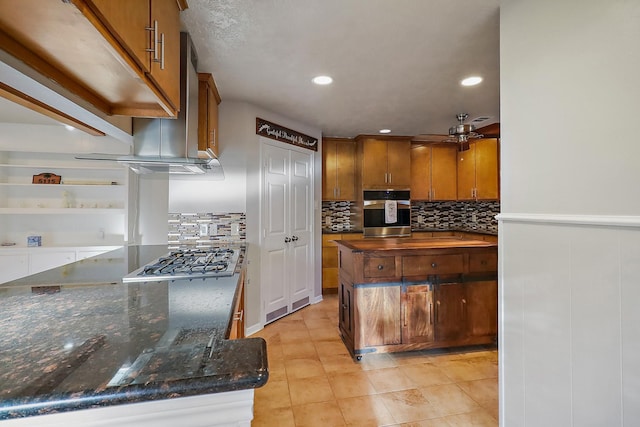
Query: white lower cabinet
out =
(44, 261)
(13, 266)
(17, 263)
(228, 409)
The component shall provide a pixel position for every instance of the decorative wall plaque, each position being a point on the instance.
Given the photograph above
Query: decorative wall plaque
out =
(283, 134)
(46, 178)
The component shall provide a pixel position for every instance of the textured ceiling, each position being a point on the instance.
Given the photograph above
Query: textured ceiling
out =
(395, 64)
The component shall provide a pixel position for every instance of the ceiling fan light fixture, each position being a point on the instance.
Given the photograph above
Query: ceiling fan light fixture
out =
(471, 81)
(462, 132)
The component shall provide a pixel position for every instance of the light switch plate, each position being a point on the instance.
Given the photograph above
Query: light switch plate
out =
(235, 229)
(204, 229)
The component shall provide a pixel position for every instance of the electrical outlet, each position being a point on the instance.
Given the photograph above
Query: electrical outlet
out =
(420, 219)
(327, 221)
(235, 229)
(204, 229)
(213, 229)
(474, 217)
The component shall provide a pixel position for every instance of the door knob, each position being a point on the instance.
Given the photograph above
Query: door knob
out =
(287, 240)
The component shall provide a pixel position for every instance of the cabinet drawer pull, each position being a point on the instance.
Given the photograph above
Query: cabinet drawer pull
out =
(380, 267)
(238, 316)
(434, 265)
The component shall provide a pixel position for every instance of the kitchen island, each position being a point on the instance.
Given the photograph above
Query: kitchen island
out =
(80, 347)
(411, 294)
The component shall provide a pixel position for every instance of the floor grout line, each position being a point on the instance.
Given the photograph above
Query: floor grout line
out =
(295, 328)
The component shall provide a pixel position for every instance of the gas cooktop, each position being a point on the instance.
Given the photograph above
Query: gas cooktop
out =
(188, 264)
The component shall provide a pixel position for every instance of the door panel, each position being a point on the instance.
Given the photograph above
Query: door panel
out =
(287, 280)
(449, 312)
(275, 199)
(418, 315)
(301, 211)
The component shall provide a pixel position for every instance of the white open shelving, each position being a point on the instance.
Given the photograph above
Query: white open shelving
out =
(88, 207)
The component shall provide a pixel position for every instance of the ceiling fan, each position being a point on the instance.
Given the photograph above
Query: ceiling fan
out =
(458, 134)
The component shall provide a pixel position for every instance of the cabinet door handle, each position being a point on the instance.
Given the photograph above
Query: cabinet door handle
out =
(287, 239)
(390, 180)
(437, 311)
(434, 265)
(433, 193)
(238, 316)
(154, 49)
(405, 317)
(294, 238)
(431, 313)
(385, 178)
(162, 55)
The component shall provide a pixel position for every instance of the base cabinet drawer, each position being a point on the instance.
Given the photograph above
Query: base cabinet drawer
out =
(484, 261)
(375, 267)
(426, 265)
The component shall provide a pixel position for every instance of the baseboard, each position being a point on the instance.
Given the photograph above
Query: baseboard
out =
(250, 330)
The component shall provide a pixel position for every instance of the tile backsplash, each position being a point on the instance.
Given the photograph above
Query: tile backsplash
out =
(206, 229)
(339, 216)
(460, 215)
(454, 215)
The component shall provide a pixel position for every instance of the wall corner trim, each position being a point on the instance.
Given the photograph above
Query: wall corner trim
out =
(632, 221)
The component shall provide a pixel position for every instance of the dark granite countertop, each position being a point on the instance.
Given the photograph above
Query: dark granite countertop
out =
(76, 337)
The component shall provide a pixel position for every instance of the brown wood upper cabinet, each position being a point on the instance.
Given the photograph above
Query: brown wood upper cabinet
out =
(384, 162)
(208, 100)
(433, 172)
(100, 51)
(338, 165)
(478, 171)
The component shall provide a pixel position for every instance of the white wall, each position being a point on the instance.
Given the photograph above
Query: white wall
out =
(240, 190)
(569, 228)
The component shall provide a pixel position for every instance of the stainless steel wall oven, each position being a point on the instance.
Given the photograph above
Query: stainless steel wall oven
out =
(386, 213)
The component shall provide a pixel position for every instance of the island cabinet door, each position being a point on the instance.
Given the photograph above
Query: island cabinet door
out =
(449, 312)
(481, 308)
(418, 316)
(378, 314)
(345, 310)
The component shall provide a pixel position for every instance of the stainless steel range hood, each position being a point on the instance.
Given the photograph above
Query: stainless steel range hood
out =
(171, 145)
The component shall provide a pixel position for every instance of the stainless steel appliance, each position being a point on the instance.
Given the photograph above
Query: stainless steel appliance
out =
(188, 264)
(386, 213)
(171, 145)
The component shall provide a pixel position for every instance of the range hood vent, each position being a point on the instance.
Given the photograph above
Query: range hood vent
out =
(171, 145)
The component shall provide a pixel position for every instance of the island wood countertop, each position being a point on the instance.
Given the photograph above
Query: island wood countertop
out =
(402, 244)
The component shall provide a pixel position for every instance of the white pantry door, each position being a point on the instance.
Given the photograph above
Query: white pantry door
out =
(287, 256)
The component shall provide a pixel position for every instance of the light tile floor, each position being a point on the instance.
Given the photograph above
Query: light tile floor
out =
(314, 382)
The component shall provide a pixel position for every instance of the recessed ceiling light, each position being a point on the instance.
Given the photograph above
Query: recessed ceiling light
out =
(385, 131)
(69, 127)
(471, 81)
(322, 80)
